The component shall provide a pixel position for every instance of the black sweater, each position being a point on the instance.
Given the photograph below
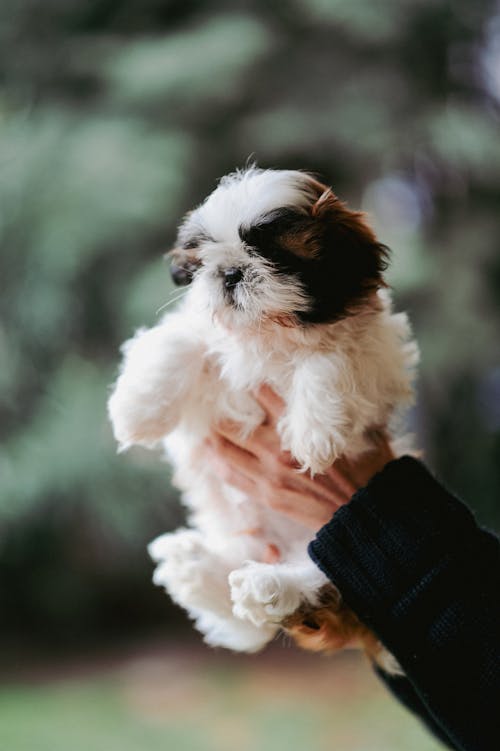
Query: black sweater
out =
(410, 560)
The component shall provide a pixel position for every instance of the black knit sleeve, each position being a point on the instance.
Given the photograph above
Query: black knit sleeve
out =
(410, 560)
(403, 689)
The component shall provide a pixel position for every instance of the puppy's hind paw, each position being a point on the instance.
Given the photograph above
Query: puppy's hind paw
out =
(184, 565)
(261, 594)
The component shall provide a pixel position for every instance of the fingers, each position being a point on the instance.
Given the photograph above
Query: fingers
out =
(310, 511)
(257, 462)
(275, 484)
(353, 474)
(321, 487)
(272, 404)
(244, 461)
(380, 439)
(257, 466)
(340, 473)
(230, 475)
(262, 441)
(264, 438)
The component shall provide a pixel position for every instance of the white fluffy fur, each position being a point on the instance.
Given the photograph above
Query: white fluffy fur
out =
(200, 365)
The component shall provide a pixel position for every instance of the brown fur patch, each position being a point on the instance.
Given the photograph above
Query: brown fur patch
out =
(304, 243)
(306, 240)
(329, 206)
(287, 320)
(330, 627)
(182, 256)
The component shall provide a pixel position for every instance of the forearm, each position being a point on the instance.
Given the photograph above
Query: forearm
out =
(410, 560)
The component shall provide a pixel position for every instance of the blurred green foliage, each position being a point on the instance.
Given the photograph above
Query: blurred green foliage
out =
(118, 115)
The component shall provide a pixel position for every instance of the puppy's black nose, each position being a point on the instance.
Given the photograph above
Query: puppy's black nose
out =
(181, 275)
(232, 276)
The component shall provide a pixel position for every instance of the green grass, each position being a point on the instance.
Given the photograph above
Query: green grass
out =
(185, 700)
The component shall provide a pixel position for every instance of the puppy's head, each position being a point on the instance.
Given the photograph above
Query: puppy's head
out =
(277, 245)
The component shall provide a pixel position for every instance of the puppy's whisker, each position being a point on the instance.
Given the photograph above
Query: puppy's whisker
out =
(171, 302)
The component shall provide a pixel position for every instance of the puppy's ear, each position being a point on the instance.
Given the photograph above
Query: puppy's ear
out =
(348, 239)
(329, 208)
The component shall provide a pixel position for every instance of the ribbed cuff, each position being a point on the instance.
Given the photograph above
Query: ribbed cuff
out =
(380, 547)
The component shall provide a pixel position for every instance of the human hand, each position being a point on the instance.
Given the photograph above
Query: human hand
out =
(258, 466)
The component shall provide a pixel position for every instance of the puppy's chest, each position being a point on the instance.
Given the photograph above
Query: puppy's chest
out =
(243, 365)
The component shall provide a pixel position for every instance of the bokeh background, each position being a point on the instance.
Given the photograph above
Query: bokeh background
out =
(116, 116)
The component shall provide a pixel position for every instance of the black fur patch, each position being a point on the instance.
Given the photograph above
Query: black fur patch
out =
(344, 265)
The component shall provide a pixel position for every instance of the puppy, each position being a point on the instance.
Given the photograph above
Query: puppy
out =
(285, 288)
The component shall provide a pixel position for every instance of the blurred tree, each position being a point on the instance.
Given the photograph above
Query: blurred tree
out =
(118, 115)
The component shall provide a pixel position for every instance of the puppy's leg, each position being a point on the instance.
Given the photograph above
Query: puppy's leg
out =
(306, 605)
(316, 425)
(194, 576)
(197, 579)
(268, 593)
(233, 633)
(160, 369)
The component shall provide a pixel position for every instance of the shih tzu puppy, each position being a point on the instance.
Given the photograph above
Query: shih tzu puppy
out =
(285, 288)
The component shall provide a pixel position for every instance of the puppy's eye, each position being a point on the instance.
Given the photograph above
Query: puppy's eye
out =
(190, 244)
(274, 223)
(256, 234)
(194, 242)
(274, 233)
(258, 239)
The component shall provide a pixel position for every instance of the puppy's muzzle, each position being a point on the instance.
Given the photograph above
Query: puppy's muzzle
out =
(182, 275)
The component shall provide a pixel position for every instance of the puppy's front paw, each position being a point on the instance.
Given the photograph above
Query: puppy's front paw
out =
(136, 420)
(159, 370)
(317, 451)
(261, 594)
(313, 444)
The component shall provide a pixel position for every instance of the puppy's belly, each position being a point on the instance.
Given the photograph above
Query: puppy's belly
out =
(240, 528)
